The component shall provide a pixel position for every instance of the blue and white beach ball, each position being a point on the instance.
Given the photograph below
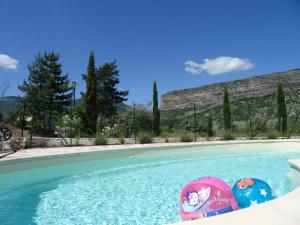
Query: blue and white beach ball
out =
(251, 191)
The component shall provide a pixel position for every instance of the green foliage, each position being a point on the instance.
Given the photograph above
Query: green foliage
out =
(122, 140)
(110, 127)
(228, 136)
(252, 134)
(155, 111)
(47, 91)
(100, 140)
(1, 117)
(226, 110)
(281, 110)
(108, 96)
(186, 138)
(71, 125)
(143, 118)
(101, 96)
(272, 135)
(210, 131)
(89, 112)
(126, 122)
(145, 138)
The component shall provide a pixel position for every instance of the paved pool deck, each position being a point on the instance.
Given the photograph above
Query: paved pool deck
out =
(282, 211)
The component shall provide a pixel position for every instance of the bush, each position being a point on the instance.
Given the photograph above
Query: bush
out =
(186, 138)
(252, 135)
(228, 136)
(272, 135)
(100, 140)
(166, 140)
(145, 138)
(122, 141)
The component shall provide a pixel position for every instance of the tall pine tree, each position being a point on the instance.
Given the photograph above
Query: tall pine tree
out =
(281, 110)
(108, 96)
(90, 108)
(155, 111)
(226, 110)
(47, 91)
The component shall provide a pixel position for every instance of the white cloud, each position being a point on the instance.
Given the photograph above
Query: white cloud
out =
(8, 63)
(219, 65)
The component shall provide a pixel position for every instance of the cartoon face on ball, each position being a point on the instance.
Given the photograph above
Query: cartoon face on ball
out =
(193, 198)
(198, 198)
(245, 182)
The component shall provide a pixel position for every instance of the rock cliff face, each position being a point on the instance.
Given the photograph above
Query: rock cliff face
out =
(212, 95)
(255, 95)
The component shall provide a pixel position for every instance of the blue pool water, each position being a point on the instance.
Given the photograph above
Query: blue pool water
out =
(137, 186)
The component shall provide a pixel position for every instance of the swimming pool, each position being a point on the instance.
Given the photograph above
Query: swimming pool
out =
(132, 186)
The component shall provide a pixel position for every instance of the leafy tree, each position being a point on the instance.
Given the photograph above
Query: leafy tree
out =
(155, 111)
(210, 131)
(90, 110)
(108, 96)
(47, 91)
(281, 110)
(226, 110)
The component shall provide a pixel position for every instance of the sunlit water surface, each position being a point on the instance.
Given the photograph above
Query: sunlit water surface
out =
(139, 186)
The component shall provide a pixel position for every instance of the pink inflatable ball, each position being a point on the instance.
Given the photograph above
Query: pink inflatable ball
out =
(207, 196)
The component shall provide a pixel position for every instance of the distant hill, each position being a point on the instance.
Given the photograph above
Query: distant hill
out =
(121, 106)
(11, 103)
(255, 95)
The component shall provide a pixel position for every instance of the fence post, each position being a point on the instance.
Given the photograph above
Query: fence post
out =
(30, 143)
(134, 124)
(2, 141)
(195, 123)
(23, 118)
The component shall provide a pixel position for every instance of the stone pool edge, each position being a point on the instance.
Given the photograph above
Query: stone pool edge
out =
(60, 151)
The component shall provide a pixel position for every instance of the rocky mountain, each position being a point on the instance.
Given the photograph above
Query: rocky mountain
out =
(258, 91)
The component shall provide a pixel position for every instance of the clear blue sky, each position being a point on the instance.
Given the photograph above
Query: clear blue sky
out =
(165, 41)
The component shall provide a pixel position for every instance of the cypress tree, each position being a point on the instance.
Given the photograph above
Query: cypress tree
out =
(155, 111)
(90, 108)
(281, 110)
(226, 110)
(210, 132)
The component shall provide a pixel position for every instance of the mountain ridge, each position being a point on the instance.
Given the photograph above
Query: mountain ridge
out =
(177, 107)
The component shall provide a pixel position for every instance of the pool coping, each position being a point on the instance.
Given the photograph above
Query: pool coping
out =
(282, 211)
(61, 151)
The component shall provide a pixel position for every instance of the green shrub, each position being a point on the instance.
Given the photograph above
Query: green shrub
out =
(252, 134)
(166, 140)
(272, 135)
(100, 140)
(228, 136)
(122, 140)
(210, 131)
(145, 138)
(186, 138)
